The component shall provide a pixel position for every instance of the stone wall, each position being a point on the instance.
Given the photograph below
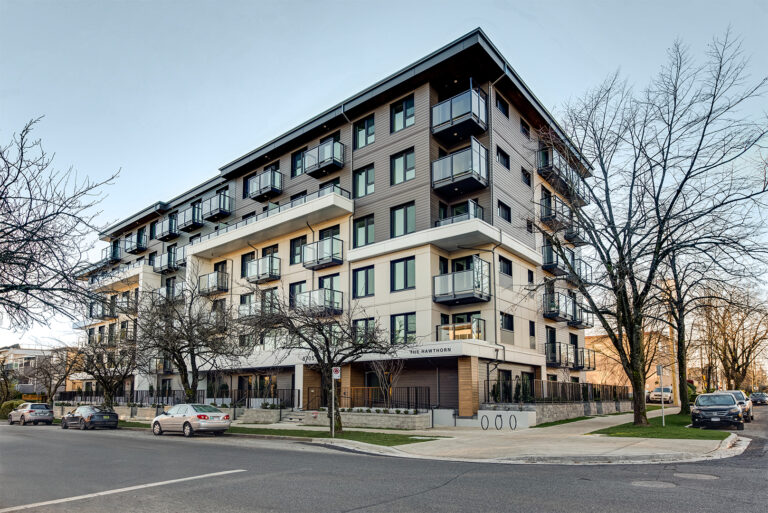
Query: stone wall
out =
(259, 416)
(553, 412)
(372, 420)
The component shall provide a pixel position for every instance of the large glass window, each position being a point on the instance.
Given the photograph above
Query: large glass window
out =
(507, 321)
(364, 132)
(244, 259)
(296, 245)
(153, 230)
(327, 233)
(297, 163)
(403, 274)
(364, 231)
(402, 167)
(502, 157)
(402, 114)
(293, 290)
(363, 182)
(502, 105)
(403, 328)
(505, 266)
(505, 212)
(332, 282)
(402, 219)
(363, 282)
(361, 327)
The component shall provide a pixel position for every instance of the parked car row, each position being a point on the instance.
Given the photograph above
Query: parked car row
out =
(722, 408)
(187, 419)
(657, 394)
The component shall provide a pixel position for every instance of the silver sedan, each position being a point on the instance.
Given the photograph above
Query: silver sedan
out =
(191, 418)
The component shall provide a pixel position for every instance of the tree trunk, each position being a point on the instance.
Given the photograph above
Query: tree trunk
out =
(330, 382)
(637, 374)
(682, 365)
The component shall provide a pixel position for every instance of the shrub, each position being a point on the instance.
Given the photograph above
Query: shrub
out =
(378, 410)
(273, 406)
(265, 405)
(368, 410)
(397, 412)
(386, 410)
(8, 406)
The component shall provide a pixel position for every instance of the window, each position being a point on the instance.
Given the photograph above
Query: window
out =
(364, 132)
(507, 321)
(361, 327)
(327, 233)
(505, 266)
(244, 259)
(402, 167)
(246, 184)
(363, 282)
(530, 276)
(296, 245)
(502, 105)
(505, 212)
(525, 129)
(502, 157)
(362, 182)
(526, 176)
(153, 230)
(220, 267)
(364, 231)
(529, 226)
(336, 182)
(297, 163)
(402, 220)
(249, 215)
(332, 282)
(403, 328)
(298, 198)
(151, 258)
(532, 334)
(195, 238)
(269, 250)
(401, 114)
(403, 274)
(293, 290)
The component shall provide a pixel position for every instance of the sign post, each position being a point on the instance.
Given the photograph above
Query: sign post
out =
(660, 372)
(335, 374)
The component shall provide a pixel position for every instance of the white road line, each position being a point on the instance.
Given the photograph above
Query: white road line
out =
(117, 490)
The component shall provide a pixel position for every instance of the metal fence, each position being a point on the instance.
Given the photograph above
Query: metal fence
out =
(404, 398)
(544, 391)
(137, 398)
(258, 398)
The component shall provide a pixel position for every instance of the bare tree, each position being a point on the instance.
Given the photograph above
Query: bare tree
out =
(7, 380)
(110, 364)
(54, 367)
(663, 160)
(46, 218)
(387, 372)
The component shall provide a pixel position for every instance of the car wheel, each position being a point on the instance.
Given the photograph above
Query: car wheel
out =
(34, 423)
(156, 429)
(83, 427)
(10, 420)
(218, 433)
(188, 430)
(23, 421)
(740, 426)
(64, 424)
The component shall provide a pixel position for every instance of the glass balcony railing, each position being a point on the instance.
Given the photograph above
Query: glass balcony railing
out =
(181, 256)
(136, 243)
(263, 269)
(265, 185)
(558, 306)
(102, 310)
(464, 212)
(463, 171)
(126, 305)
(173, 292)
(552, 262)
(166, 263)
(554, 212)
(473, 330)
(217, 207)
(575, 234)
(582, 272)
(582, 318)
(557, 170)
(470, 286)
(191, 218)
(585, 359)
(324, 158)
(111, 254)
(460, 116)
(323, 253)
(325, 191)
(560, 355)
(248, 309)
(327, 300)
(167, 229)
(213, 283)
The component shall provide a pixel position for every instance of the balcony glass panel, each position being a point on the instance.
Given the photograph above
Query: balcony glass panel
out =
(191, 216)
(462, 331)
(264, 182)
(473, 211)
(469, 102)
(324, 154)
(263, 268)
(322, 251)
(472, 160)
(221, 204)
(320, 298)
(471, 281)
(216, 281)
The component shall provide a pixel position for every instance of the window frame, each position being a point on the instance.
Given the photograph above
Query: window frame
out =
(404, 155)
(502, 323)
(368, 124)
(525, 129)
(503, 261)
(505, 103)
(297, 170)
(502, 157)
(402, 103)
(370, 181)
(506, 209)
(392, 267)
(392, 213)
(366, 226)
(370, 281)
(409, 336)
(526, 176)
(294, 243)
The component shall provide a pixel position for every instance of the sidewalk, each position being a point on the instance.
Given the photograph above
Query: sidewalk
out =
(561, 444)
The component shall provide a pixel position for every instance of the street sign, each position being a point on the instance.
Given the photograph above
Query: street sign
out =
(659, 370)
(336, 372)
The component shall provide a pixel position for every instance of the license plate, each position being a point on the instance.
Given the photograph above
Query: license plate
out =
(715, 419)
(215, 418)
(105, 417)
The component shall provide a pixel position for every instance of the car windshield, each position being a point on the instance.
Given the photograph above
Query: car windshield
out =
(204, 408)
(102, 409)
(39, 406)
(738, 394)
(715, 400)
(666, 389)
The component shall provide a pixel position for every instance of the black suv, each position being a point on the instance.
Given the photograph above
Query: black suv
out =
(717, 410)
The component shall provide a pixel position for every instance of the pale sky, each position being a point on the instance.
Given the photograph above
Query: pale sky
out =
(169, 91)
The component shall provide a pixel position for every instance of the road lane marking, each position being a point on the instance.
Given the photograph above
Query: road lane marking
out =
(117, 490)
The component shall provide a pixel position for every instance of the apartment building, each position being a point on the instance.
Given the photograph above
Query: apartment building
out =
(417, 200)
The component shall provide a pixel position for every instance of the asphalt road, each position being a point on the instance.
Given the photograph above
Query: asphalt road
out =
(42, 463)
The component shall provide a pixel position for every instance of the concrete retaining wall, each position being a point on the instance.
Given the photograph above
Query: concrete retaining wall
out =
(259, 416)
(554, 412)
(372, 420)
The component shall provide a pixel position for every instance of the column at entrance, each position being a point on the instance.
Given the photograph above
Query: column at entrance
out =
(298, 385)
(469, 394)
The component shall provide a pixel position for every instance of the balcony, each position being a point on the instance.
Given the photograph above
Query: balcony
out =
(460, 117)
(461, 172)
(173, 292)
(585, 360)
(473, 330)
(323, 159)
(164, 366)
(249, 310)
(126, 305)
(217, 207)
(581, 318)
(265, 185)
(213, 283)
(574, 234)
(126, 335)
(111, 255)
(167, 229)
(136, 243)
(463, 287)
(469, 210)
(99, 310)
(191, 218)
(181, 256)
(560, 354)
(321, 301)
(558, 306)
(555, 169)
(166, 263)
(551, 261)
(263, 269)
(554, 212)
(323, 253)
(582, 272)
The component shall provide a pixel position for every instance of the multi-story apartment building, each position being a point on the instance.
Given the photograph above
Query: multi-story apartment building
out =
(417, 199)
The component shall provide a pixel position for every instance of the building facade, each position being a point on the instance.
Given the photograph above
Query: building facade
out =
(418, 200)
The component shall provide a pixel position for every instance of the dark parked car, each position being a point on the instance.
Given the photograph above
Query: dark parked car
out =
(759, 398)
(90, 417)
(717, 410)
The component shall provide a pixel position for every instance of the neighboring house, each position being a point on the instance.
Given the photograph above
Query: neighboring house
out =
(420, 194)
(22, 361)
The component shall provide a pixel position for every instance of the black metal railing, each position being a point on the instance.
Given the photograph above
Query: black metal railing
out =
(217, 207)
(382, 398)
(543, 391)
(136, 243)
(191, 218)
